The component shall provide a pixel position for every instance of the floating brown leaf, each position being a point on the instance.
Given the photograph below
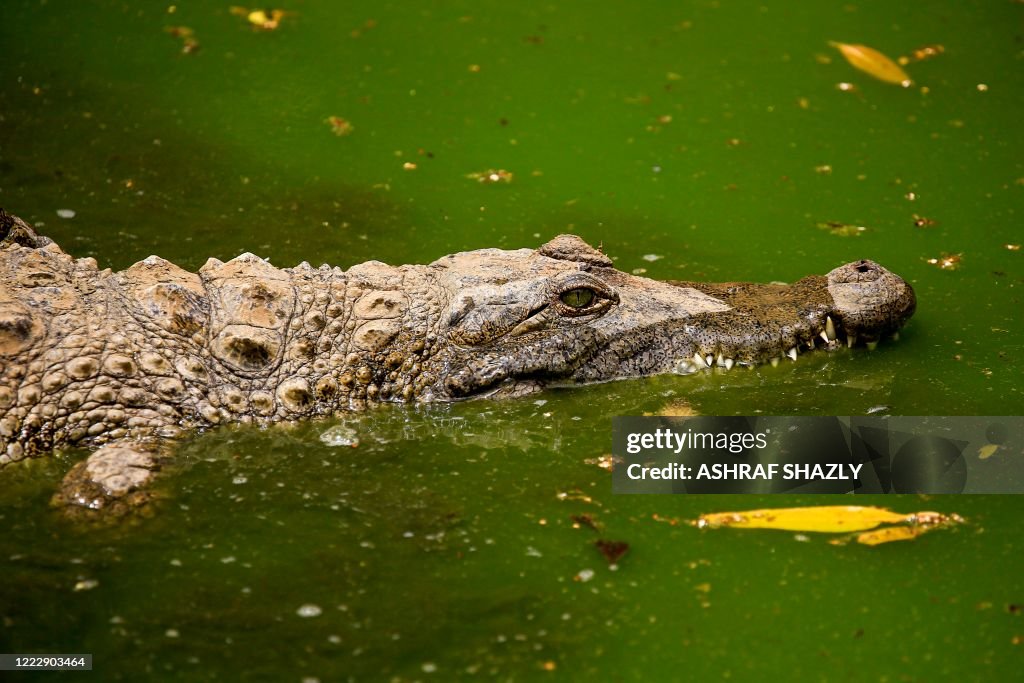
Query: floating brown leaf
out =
(612, 550)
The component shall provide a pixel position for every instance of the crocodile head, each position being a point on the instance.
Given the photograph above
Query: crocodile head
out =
(521, 320)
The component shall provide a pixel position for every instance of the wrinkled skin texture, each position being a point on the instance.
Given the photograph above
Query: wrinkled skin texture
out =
(125, 361)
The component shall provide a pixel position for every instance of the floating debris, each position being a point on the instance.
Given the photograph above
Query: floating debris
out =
(189, 44)
(66, 213)
(824, 169)
(584, 575)
(86, 585)
(574, 495)
(309, 610)
(584, 520)
(339, 126)
(264, 20)
(1012, 247)
(923, 222)
(605, 462)
(671, 521)
(652, 257)
(680, 407)
(842, 229)
(873, 63)
(340, 435)
(946, 261)
(921, 54)
(612, 550)
(492, 176)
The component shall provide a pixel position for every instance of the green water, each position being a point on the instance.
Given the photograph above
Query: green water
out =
(694, 131)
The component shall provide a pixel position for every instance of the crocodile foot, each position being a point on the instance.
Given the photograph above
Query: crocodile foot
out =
(113, 480)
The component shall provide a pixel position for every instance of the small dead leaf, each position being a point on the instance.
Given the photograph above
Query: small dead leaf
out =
(612, 550)
(873, 63)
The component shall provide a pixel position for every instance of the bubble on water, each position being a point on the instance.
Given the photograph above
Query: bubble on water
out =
(66, 213)
(340, 435)
(86, 585)
(652, 257)
(309, 610)
(228, 560)
(172, 633)
(429, 667)
(240, 479)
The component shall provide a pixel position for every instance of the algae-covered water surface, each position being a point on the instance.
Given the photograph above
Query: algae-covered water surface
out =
(693, 141)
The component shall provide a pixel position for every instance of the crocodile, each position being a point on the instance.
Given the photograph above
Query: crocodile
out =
(126, 362)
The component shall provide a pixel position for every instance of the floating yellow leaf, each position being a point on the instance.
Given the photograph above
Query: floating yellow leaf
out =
(987, 451)
(825, 519)
(892, 533)
(873, 63)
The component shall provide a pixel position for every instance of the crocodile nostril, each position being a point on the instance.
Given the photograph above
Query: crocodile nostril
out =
(863, 267)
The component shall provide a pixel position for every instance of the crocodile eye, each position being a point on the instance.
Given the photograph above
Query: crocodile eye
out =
(580, 297)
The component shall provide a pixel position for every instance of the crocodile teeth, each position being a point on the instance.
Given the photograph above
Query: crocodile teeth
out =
(720, 360)
(830, 328)
(851, 340)
(775, 362)
(792, 353)
(810, 343)
(710, 359)
(729, 363)
(699, 360)
(825, 337)
(872, 345)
